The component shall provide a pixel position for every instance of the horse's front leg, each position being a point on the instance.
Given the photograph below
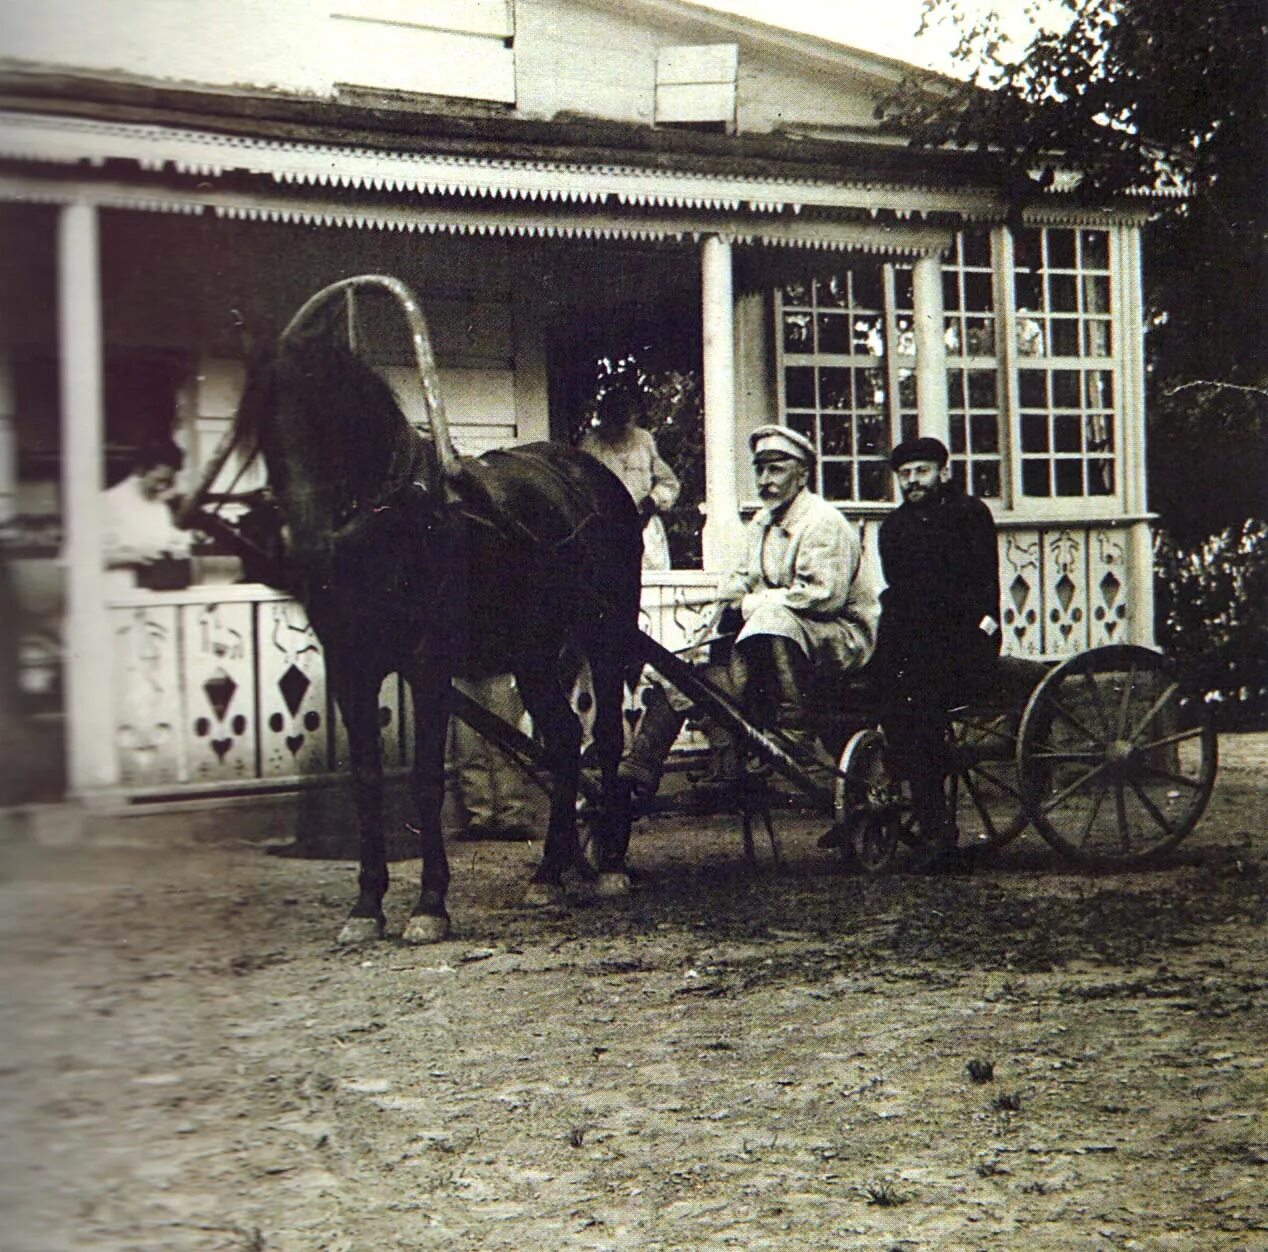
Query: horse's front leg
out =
(429, 921)
(358, 699)
(560, 730)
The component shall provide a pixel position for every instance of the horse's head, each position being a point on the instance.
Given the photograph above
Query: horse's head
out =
(335, 444)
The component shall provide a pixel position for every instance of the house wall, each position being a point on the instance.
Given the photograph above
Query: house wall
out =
(567, 57)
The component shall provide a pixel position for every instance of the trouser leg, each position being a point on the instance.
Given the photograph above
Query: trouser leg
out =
(658, 728)
(916, 737)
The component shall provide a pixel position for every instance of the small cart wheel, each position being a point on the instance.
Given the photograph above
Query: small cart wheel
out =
(1116, 756)
(866, 804)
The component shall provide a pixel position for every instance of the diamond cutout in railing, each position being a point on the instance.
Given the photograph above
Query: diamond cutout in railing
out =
(294, 686)
(219, 690)
(1110, 587)
(1019, 589)
(1065, 590)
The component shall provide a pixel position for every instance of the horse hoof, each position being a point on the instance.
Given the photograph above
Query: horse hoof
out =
(361, 930)
(612, 885)
(426, 928)
(543, 895)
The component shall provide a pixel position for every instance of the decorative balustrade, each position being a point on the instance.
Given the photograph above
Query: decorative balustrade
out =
(223, 687)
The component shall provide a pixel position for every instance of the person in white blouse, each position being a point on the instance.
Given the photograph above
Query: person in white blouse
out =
(136, 516)
(630, 453)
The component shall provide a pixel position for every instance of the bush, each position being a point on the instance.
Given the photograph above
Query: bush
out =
(1212, 617)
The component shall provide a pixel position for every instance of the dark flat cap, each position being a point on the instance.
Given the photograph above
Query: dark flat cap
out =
(926, 448)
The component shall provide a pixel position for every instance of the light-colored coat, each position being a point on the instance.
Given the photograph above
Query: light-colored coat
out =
(805, 576)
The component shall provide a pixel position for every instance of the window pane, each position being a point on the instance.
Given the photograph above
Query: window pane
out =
(981, 336)
(907, 388)
(975, 247)
(1063, 294)
(1034, 432)
(1067, 433)
(838, 435)
(1030, 337)
(1069, 477)
(873, 432)
(1096, 293)
(1026, 249)
(1100, 477)
(868, 289)
(1100, 432)
(1065, 336)
(797, 293)
(797, 332)
(1029, 291)
(799, 387)
(952, 337)
(978, 295)
(957, 475)
(1034, 389)
(874, 480)
(986, 480)
(1065, 389)
(904, 287)
(1099, 388)
(869, 389)
(803, 424)
(950, 290)
(868, 334)
(833, 332)
(958, 441)
(1034, 478)
(836, 480)
(981, 389)
(1060, 249)
(985, 428)
(1095, 248)
(834, 388)
(832, 291)
(1096, 338)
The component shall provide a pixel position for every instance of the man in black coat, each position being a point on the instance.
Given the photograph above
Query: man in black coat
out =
(939, 630)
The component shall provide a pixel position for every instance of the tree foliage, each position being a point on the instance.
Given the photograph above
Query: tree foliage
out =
(1132, 95)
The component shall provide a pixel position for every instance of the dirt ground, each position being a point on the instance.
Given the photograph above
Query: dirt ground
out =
(733, 1058)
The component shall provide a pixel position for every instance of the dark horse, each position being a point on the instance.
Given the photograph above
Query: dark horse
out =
(481, 566)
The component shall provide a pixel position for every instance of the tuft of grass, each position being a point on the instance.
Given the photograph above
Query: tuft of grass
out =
(980, 1071)
(884, 1195)
(1007, 1102)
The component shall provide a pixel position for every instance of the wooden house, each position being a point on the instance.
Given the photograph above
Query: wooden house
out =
(557, 180)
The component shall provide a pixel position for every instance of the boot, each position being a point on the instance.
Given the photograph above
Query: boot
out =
(942, 851)
(784, 685)
(643, 764)
(718, 783)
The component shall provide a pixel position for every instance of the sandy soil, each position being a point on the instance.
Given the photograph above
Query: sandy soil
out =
(734, 1058)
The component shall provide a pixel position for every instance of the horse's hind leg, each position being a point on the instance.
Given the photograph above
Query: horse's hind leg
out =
(429, 921)
(560, 730)
(358, 701)
(613, 835)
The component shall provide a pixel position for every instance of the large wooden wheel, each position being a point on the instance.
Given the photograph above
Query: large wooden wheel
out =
(867, 806)
(1116, 756)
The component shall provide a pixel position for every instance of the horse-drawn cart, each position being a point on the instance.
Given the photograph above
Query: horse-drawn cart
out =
(1109, 755)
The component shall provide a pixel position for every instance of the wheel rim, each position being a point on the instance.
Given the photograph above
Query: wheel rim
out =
(1116, 756)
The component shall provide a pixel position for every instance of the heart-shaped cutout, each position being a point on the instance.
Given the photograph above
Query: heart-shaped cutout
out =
(294, 743)
(221, 747)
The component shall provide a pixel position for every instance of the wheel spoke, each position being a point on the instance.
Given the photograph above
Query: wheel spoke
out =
(1089, 681)
(1181, 736)
(1120, 808)
(1002, 783)
(1086, 832)
(1158, 705)
(1069, 790)
(1089, 735)
(1125, 704)
(1154, 811)
(979, 803)
(1067, 758)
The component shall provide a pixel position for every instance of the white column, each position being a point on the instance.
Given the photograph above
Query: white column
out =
(931, 350)
(723, 533)
(8, 443)
(87, 655)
